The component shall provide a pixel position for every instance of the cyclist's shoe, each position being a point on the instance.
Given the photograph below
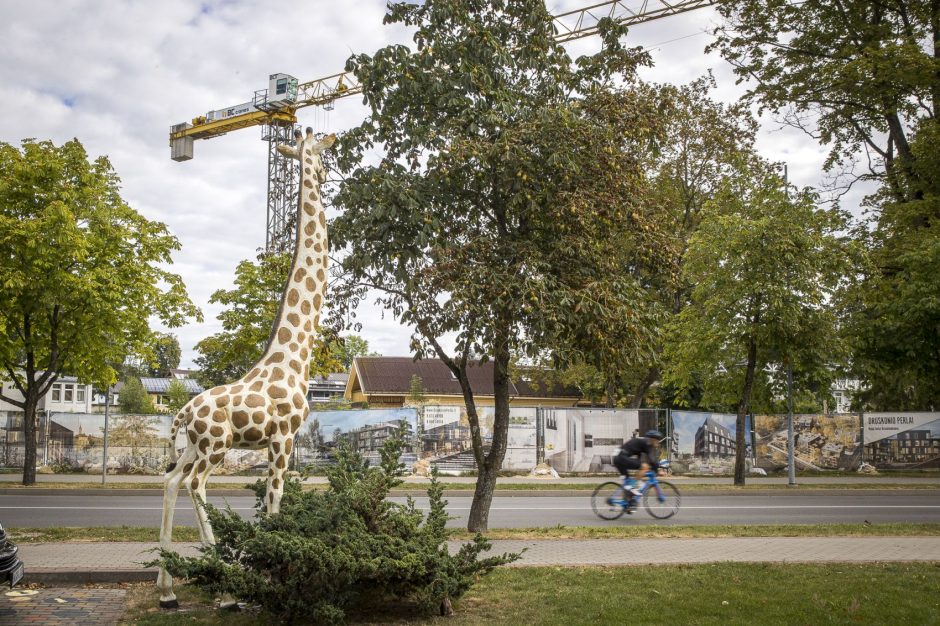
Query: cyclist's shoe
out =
(634, 492)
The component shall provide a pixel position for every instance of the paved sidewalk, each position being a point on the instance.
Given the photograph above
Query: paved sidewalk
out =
(123, 561)
(62, 606)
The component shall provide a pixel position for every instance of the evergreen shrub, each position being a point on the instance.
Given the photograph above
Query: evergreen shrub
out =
(346, 548)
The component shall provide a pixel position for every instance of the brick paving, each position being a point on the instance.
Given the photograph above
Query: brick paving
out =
(63, 606)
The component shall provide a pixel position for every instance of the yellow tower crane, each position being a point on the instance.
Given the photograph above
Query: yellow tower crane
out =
(275, 108)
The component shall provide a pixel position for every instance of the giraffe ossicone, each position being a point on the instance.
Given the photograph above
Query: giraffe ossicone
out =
(265, 408)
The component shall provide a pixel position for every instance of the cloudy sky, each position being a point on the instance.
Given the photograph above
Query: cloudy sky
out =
(118, 74)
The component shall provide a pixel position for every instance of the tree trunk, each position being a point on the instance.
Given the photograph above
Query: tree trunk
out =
(643, 386)
(487, 473)
(611, 393)
(29, 437)
(743, 406)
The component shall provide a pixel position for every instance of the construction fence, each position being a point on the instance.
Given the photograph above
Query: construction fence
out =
(570, 440)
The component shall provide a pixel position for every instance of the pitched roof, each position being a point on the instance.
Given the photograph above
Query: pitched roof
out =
(392, 375)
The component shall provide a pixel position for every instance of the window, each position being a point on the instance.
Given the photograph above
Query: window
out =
(281, 87)
(80, 393)
(57, 392)
(68, 392)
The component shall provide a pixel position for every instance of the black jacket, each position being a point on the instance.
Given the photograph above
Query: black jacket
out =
(640, 446)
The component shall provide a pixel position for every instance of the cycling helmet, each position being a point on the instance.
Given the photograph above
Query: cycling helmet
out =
(653, 434)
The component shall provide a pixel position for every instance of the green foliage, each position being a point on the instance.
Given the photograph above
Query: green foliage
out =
(166, 355)
(250, 309)
(416, 390)
(328, 552)
(344, 349)
(177, 396)
(134, 398)
(133, 431)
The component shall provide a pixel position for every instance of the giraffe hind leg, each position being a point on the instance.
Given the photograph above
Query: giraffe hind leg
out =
(174, 479)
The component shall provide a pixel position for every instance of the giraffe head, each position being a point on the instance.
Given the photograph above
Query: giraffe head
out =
(308, 147)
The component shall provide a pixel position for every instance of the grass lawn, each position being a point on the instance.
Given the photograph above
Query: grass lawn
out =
(674, 594)
(651, 531)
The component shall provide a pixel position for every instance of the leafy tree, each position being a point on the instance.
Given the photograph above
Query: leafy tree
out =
(416, 390)
(134, 398)
(166, 355)
(764, 267)
(505, 185)
(345, 349)
(133, 431)
(82, 272)
(177, 396)
(247, 320)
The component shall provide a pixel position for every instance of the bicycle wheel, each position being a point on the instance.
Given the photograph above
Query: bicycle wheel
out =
(607, 500)
(662, 500)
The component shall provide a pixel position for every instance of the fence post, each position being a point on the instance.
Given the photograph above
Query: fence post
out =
(539, 436)
(104, 454)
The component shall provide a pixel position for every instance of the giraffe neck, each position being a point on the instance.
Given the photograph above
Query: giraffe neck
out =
(295, 327)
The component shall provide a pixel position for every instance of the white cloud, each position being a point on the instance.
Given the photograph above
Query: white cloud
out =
(117, 75)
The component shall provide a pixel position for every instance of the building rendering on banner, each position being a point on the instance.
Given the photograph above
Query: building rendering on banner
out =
(713, 439)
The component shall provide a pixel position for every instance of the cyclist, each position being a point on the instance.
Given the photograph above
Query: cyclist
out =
(631, 455)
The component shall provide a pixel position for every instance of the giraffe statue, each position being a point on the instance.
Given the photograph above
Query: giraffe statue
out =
(265, 408)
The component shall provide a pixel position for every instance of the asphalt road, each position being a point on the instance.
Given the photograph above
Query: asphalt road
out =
(510, 512)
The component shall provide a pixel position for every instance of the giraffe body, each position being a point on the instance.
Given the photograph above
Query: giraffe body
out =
(265, 408)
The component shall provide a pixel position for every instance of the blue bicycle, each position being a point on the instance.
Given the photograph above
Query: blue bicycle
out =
(660, 498)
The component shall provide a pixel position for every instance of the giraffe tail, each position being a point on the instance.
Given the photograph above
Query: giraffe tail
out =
(178, 421)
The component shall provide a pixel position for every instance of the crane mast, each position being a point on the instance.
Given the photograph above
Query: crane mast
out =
(275, 108)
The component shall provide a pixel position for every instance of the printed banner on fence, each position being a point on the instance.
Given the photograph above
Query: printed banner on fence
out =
(437, 416)
(704, 443)
(585, 440)
(902, 440)
(821, 442)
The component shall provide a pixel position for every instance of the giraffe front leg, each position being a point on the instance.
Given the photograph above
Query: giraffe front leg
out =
(171, 488)
(279, 450)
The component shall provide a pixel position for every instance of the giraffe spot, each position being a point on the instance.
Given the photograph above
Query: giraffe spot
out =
(203, 445)
(304, 354)
(222, 401)
(201, 467)
(195, 483)
(199, 400)
(271, 497)
(288, 446)
(276, 375)
(308, 161)
(318, 247)
(310, 285)
(293, 346)
(270, 471)
(284, 408)
(308, 183)
(283, 427)
(299, 274)
(187, 468)
(309, 230)
(301, 337)
(192, 436)
(228, 441)
(256, 386)
(321, 276)
(277, 357)
(298, 401)
(307, 170)
(308, 326)
(276, 483)
(270, 456)
(200, 427)
(236, 389)
(254, 400)
(240, 419)
(317, 300)
(294, 423)
(322, 220)
(216, 431)
(307, 243)
(295, 365)
(283, 335)
(215, 459)
(203, 411)
(220, 416)
(280, 462)
(252, 374)
(309, 261)
(294, 319)
(291, 381)
(270, 428)
(218, 445)
(237, 400)
(276, 446)
(309, 209)
(258, 417)
(305, 307)
(293, 297)
(216, 391)
(254, 434)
